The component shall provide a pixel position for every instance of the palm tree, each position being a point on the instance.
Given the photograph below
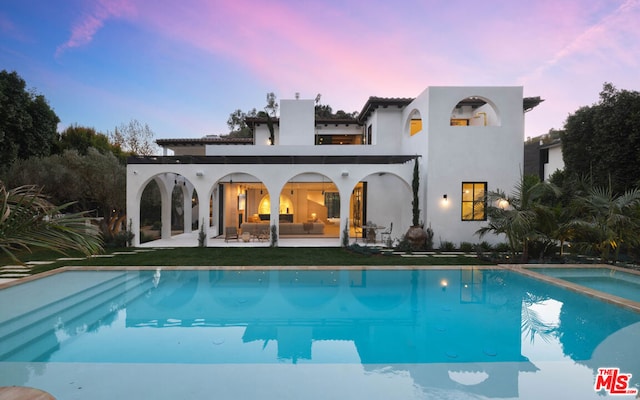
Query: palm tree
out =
(522, 216)
(609, 221)
(28, 220)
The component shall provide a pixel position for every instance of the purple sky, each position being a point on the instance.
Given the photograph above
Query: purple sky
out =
(183, 66)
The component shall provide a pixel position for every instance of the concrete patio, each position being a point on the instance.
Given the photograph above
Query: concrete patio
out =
(191, 240)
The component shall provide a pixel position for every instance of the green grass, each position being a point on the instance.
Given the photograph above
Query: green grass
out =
(238, 256)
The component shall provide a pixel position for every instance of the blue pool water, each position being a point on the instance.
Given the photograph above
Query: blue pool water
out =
(459, 332)
(612, 281)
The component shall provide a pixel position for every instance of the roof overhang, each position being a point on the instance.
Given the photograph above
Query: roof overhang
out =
(374, 103)
(203, 141)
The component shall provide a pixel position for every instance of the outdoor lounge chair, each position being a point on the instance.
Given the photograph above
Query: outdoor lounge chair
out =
(386, 233)
(230, 232)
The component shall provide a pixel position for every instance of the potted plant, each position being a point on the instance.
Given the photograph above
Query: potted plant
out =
(416, 236)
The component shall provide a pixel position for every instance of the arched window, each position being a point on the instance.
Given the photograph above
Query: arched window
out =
(475, 111)
(414, 124)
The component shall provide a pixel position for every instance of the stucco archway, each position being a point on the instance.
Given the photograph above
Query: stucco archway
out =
(475, 111)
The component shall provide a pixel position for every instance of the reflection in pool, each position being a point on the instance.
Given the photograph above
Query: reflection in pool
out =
(473, 331)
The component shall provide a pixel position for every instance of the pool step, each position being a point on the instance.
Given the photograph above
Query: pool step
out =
(18, 334)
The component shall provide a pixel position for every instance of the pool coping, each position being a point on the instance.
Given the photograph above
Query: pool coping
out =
(519, 268)
(607, 297)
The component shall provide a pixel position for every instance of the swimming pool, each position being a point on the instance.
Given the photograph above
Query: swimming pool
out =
(608, 280)
(323, 333)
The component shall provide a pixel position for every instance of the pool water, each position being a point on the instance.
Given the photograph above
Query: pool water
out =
(437, 333)
(612, 281)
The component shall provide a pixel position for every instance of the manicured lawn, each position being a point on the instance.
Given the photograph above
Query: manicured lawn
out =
(237, 256)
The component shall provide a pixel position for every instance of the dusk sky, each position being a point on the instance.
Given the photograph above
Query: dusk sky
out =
(183, 66)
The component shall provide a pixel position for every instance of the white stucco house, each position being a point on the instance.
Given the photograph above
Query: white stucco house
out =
(328, 177)
(543, 155)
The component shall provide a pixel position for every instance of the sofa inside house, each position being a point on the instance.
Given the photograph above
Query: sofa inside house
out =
(285, 228)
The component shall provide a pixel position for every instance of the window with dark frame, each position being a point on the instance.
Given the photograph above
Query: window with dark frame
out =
(474, 203)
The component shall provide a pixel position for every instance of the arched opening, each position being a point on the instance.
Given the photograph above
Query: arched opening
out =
(150, 212)
(241, 201)
(309, 207)
(376, 215)
(475, 111)
(184, 206)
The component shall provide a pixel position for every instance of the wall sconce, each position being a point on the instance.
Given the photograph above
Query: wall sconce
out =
(199, 173)
(444, 198)
(135, 172)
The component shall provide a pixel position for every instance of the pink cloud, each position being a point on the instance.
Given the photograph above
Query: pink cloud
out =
(600, 39)
(93, 20)
(307, 47)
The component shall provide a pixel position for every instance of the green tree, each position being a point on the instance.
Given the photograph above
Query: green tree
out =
(82, 138)
(93, 182)
(523, 216)
(602, 141)
(271, 111)
(27, 123)
(608, 221)
(237, 123)
(28, 220)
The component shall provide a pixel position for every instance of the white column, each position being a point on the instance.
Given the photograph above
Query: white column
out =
(165, 192)
(133, 206)
(345, 215)
(186, 201)
(275, 211)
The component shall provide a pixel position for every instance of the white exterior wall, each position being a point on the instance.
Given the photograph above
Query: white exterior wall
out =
(457, 154)
(297, 121)
(386, 128)
(556, 162)
(262, 134)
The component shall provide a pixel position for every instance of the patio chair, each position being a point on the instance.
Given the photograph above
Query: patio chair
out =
(263, 235)
(386, 233)
(230, 232)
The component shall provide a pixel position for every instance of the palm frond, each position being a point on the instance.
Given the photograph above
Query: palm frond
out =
(28, 220)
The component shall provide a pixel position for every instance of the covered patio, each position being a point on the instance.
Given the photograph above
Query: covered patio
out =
(315, 199)
(191, 240)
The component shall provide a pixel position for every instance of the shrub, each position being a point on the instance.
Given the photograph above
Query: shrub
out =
(429, 241)
(447, 246)
(202, 237)
(123, 239)
(274, 235)
(366, 250)
(466, 247)
(502, 248)
(403, 245)
(345, 233)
